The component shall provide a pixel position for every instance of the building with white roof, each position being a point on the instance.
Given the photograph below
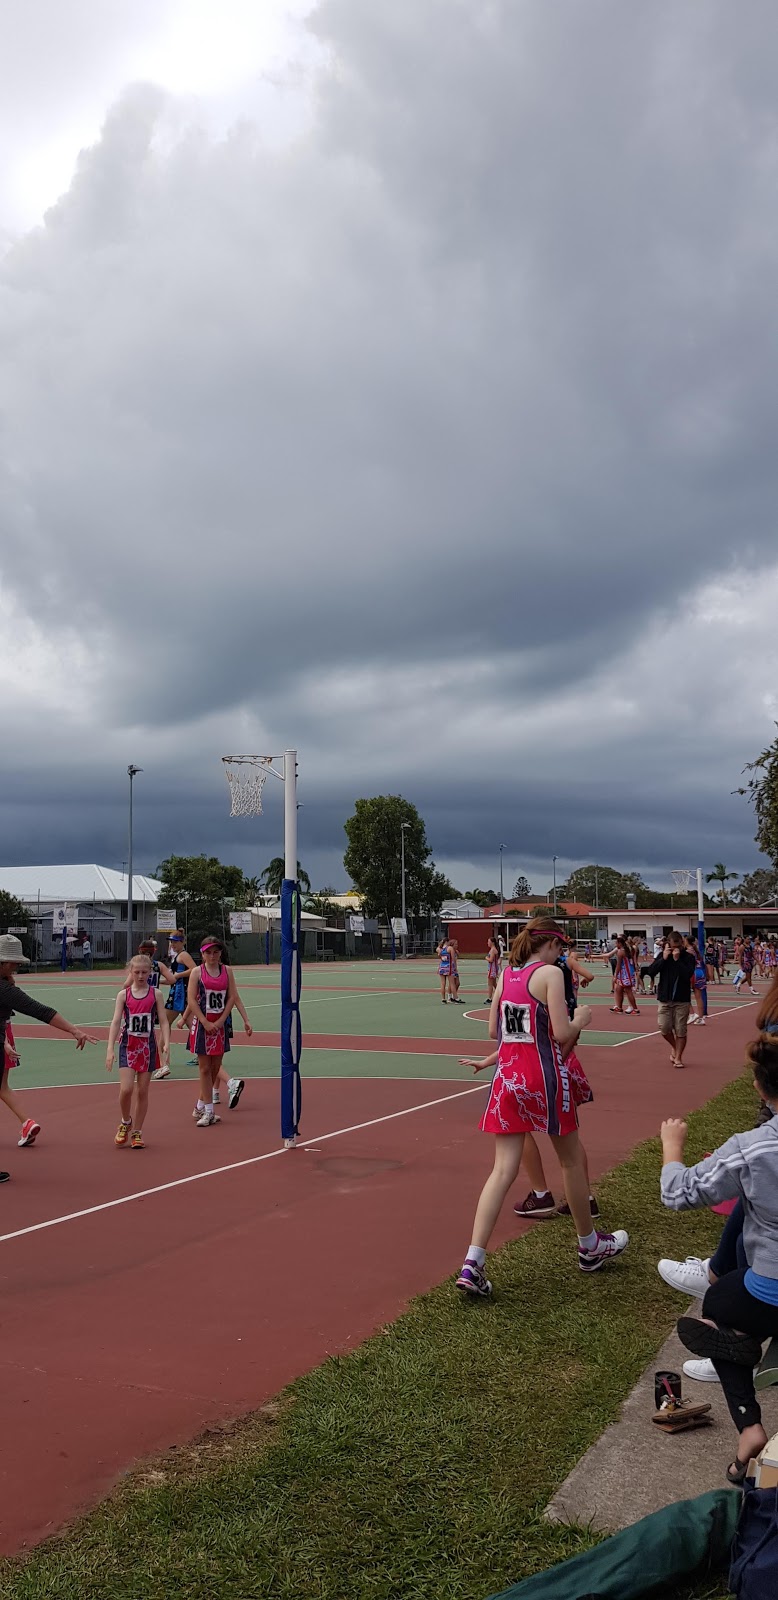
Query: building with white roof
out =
(95, 896)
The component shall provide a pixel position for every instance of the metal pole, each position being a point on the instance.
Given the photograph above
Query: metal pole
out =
(554, 859)
(290, 815)
(700, 914)
(131, 773)
(596, 888)
(502, 896)
(403, 826)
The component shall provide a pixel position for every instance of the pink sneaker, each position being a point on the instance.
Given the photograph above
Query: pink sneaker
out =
(30, 1131)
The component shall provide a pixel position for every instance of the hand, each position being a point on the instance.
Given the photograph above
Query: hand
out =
(210, 1027)
(109, 1062)
(82, 1038)
(582, 1016)
(247, 1029)
(585, 982)
(476, 1062)
(673, 1133)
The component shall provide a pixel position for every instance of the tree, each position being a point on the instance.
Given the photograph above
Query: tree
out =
(202, 890)
(373, 858)
(762, 792)
(521, 888)
(320, 906)
(15, 914)
(604, 886)
(720, 875)
(274, 874)
(758, 887)
(484, 897)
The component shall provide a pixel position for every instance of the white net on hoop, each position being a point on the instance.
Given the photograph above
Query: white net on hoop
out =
(246, 776)
(682, 878)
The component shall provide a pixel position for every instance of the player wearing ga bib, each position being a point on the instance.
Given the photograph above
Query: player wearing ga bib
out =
(137, 1040)
(212, 991)
(531, 1090)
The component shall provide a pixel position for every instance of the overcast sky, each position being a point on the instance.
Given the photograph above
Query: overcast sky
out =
(396, 381)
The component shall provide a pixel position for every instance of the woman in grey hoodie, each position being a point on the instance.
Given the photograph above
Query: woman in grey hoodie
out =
(740, 1310)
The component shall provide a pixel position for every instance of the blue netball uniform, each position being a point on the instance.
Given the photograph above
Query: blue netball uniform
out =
(176, 1000)
(444, 965)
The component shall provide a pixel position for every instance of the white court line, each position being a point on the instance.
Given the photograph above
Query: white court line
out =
(657, 1034)
(233, 1166)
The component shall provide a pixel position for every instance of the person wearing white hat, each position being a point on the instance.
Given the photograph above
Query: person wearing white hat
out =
(13, 999)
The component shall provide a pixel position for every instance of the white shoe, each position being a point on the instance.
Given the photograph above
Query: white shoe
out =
(703, 1021)
(689, 1276)
(207, 1119)
(161, 1072)
(217, 1099)
(701, 1371)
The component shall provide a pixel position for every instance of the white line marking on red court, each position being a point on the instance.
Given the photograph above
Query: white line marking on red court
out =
(233, 1166)
(657, 1033)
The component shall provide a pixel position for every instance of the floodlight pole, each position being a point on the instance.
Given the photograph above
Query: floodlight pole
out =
(554, 861)
(502, 895)
(403, 936)
(290, 815)
(132, 772)
(700, 914)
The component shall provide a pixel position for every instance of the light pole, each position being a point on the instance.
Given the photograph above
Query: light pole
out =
(185, 898)
(502, 896)
(132, 772)
(596, 888)
(403, 826)
(554, 860)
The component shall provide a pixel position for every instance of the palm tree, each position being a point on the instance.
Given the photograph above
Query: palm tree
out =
(274, 874)
(720, 875)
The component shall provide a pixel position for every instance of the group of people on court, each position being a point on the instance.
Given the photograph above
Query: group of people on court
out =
(202, 998)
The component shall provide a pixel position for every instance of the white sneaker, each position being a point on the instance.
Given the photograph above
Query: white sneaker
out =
(689, 1276)
(161, 1072)
(701, 1371)
(217, 1099)
(691, 1021)
(207, 1119)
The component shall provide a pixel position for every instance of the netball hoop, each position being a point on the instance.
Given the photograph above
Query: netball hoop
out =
(682, 878)
(246, 777)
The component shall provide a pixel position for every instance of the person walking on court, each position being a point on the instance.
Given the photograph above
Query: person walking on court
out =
(182, 965)
(493, 967)
(13, 1000)
(211, 995)
(138, 1017)
(531, 1093)
(443, 954)
(674, 970)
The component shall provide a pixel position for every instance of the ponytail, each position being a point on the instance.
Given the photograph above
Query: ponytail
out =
(532, 938)
(762, 1055)
(768, 1011)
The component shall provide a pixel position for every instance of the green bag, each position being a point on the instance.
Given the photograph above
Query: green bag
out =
(687, 1540)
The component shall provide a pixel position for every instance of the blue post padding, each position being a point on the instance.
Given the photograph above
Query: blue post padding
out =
(291, 1031)
(63, 960)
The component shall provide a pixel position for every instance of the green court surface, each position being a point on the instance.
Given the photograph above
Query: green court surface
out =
(370, 1004)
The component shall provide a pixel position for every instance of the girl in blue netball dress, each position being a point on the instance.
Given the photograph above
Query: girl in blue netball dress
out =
(444, 967)
(181, 965)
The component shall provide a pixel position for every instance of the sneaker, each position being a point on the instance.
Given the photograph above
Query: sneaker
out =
(236, 1087)
(473, 1279)
(206, 1119)
(136, 1142)
(5, 1177)
(161, 1072)
(701, 1371)
(607, 1246)
(30, 1131)
(198, 1111)
(690, 1021)
(217, 1099)
(122, 1133)
(536, 1205)
(689, 1277)
(564, 1209)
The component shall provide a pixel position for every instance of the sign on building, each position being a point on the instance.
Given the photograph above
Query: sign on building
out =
(356, 924)
(167, 921)
(240, 922)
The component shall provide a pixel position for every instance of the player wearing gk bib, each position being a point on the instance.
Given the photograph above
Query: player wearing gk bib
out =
(211, 997)
(532, 1092)
(138, 1013)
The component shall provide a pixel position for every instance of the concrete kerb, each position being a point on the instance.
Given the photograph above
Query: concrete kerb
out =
(635, 1469)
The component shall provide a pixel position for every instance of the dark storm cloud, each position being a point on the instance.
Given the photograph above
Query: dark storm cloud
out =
(446, 406)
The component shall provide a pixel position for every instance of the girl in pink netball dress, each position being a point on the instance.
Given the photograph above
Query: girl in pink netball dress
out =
(533, 1092)
(212, 995)
(138, 1015)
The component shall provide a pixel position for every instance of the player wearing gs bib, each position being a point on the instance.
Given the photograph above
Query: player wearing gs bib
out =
(532, 1092)
(138, 1014)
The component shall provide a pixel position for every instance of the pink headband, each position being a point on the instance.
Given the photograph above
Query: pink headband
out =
(211, 945)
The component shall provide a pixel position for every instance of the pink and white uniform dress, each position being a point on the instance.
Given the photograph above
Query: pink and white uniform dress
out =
(532, 1089)
(137, 1040)
(212, 999)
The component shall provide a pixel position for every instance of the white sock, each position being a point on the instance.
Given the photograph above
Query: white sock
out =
(540, 1193)
(590, 1242)
(201, 1105)
(475, 1253)
(209, 1108)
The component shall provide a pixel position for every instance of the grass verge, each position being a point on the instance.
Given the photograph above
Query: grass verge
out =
(419, 1467)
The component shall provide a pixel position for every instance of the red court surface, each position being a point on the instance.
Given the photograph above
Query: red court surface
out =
(138, 1318)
